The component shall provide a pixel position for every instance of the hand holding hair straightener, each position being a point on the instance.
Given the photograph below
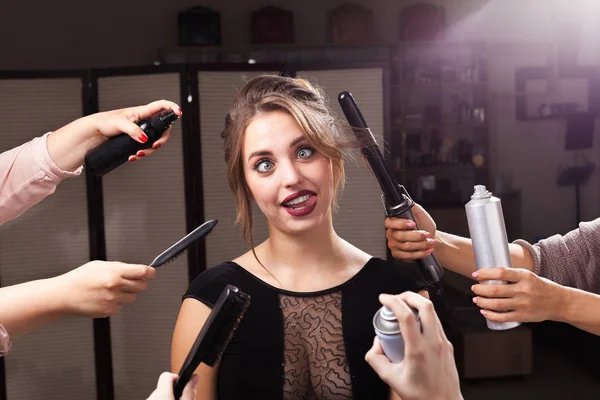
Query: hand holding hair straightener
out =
(395, 198)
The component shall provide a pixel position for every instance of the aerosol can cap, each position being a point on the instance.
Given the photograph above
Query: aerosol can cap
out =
(481, 192)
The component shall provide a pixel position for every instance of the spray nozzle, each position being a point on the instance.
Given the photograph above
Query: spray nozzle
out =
(168, 117)
(480, 192)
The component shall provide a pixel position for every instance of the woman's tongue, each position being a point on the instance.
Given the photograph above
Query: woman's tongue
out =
(312, 199)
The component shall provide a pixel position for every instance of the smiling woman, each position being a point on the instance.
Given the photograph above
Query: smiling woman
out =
(314, 295)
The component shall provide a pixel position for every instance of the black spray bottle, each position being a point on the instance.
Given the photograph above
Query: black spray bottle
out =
(116, 150)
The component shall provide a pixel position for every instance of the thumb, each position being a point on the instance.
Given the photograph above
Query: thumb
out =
(189, 391)
(378, 361)
(136, 271)
(164, 388)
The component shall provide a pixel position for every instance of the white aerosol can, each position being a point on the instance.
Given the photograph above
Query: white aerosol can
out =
(488, 234)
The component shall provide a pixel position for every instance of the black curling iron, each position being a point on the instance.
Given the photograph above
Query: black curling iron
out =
(395, 198)
(215, 335)
(182, 244)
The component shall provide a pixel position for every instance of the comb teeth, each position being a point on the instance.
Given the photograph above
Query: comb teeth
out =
(176, 256)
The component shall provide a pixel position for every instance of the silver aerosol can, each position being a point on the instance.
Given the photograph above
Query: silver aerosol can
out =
(387, 330)
(488, 234)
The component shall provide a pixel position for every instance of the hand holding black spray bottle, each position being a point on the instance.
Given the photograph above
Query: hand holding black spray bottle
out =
(116, 150)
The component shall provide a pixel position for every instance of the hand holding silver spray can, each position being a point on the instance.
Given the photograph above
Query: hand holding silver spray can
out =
(387, 330)
(488, 234)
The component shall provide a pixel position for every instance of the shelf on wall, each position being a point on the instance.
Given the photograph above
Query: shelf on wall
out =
(458, 85)
(472, 125)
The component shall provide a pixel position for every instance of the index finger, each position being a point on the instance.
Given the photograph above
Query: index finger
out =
(406, 319)
(136, 271)
(430, 323)
(500, 274)
(399, 223)
(155, 107)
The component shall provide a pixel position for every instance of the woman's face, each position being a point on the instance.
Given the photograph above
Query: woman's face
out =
(290, 181)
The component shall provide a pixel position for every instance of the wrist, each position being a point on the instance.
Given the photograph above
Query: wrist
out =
(90, 130)
(441, 242)
(566, 307)
(60, 289)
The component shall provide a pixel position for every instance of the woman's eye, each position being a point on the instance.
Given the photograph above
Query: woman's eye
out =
(263, 166)
(305, 152)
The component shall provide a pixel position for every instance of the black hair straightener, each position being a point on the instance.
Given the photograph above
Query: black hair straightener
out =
(395, 198)
(215, 335)
(176, 249)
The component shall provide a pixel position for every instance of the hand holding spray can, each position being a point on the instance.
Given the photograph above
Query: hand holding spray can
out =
(488, 234)
(387, 330)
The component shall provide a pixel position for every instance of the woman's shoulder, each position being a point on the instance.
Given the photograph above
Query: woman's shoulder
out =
(393, 275)
(208, 285)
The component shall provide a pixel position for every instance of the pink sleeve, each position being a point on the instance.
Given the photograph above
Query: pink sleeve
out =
(28, 174)
(4, 341)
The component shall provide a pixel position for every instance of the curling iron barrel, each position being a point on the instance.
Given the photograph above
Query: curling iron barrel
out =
(396, 201)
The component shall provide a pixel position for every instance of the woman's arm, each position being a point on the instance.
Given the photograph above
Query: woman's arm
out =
(31, 172)
(572, 259)
(96, 289)
(192, 316)
(582, 310)
(69, 145)
(456, 254)
(531, 298)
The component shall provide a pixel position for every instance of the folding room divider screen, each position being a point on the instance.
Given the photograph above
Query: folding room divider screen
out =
(55, 362)
(139, 210)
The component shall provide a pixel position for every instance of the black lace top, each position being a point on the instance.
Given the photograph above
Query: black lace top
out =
(293, 345)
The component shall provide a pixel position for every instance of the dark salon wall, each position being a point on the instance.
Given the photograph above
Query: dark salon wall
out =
(80, 34)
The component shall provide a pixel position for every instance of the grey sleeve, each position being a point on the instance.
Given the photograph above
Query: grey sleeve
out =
(570, 260)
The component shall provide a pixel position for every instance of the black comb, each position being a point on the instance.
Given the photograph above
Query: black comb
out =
(215, 335)
(177, 249)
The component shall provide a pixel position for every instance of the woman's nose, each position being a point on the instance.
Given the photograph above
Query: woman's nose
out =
(291, 175)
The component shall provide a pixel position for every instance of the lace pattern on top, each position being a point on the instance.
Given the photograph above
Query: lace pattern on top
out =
(315, 365)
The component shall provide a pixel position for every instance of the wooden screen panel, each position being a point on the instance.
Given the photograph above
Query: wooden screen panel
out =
(57, 361)
(144, 211)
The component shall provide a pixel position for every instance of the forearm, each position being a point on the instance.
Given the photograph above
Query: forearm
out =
(581, 309)
(455, 253)
(69, 145)
(29, 306)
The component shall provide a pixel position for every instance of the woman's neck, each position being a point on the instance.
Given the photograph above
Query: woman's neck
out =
(319, 246)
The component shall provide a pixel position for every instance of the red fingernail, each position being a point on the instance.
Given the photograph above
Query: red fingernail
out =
(143, 138)
(141, 154)
(180, 112)
(156, 145)
(131, 159)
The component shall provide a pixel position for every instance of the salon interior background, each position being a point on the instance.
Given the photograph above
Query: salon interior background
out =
(113, 33)
(71, 34)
